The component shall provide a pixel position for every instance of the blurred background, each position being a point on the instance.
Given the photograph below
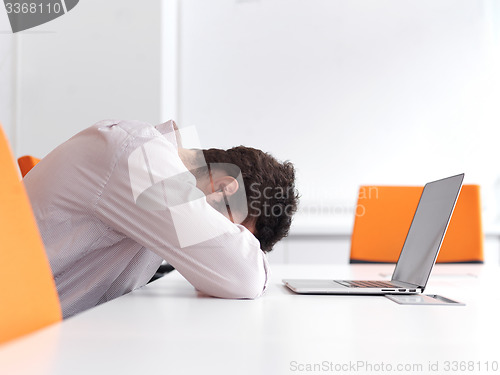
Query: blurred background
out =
(352, 92)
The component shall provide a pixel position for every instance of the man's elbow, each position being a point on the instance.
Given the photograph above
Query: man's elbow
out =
(253, 290)
(248, 286)
(239, 283)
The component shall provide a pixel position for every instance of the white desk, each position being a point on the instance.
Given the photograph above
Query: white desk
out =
(167, 328)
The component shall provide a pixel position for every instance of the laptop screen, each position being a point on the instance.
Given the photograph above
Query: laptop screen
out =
(427, 230)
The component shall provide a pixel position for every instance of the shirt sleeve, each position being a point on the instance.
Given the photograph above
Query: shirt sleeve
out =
(152, 198)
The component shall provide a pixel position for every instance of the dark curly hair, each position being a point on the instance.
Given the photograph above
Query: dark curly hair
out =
(270, 190)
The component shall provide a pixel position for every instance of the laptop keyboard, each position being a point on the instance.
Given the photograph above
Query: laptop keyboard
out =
(366, 284)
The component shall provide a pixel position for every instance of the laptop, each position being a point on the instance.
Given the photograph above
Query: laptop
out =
(419, 252)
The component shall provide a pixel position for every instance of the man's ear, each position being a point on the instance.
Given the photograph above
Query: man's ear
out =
(229, 185)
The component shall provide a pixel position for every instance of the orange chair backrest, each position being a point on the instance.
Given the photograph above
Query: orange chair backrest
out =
(28, 296)
(384, 215)
(26, 163)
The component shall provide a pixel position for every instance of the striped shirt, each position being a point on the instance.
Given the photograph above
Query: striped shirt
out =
(103, 240)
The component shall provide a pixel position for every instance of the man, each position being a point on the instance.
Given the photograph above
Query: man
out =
(120, 197)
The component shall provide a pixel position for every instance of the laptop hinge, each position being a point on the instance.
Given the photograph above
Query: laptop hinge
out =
(408, 285)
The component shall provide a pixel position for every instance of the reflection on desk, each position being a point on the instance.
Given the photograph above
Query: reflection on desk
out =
(167, 327)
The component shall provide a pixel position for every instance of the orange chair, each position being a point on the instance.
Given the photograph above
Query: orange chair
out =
(384, 215)
(28, 300)
(26, 163)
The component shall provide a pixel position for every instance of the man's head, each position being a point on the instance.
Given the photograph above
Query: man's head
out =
(269, 190)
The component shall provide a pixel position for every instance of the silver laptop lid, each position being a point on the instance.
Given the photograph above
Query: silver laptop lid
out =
(427, 230)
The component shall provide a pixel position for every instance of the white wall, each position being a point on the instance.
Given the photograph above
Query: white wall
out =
(100, 60)
(353, 92)
(7, 76)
